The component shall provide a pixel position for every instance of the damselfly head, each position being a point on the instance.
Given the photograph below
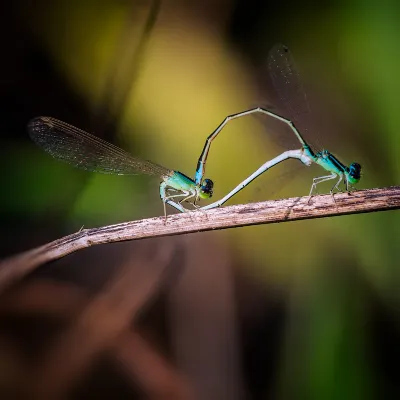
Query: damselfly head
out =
(354, 173)
(206, 189)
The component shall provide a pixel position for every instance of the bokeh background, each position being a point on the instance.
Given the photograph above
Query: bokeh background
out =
(297, 310)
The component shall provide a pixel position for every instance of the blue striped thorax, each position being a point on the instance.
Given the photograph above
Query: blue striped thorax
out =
(179, 181)
(329, 162)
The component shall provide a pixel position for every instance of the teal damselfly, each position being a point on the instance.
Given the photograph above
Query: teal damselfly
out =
(287, 84)
(74, 146)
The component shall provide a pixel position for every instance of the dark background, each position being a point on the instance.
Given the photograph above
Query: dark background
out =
(300, 310)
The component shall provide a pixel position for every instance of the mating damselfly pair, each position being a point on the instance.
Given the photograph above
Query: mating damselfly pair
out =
(83, 150)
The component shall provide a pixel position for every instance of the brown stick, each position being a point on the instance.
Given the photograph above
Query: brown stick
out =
(100, 323)
(267, 212)
(142, 364)
(155, 376)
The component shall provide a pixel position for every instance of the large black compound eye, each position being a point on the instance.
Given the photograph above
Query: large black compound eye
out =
(355, 171)
(207, 188)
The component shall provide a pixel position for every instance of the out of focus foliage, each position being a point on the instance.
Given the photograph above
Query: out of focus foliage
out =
(202, 61)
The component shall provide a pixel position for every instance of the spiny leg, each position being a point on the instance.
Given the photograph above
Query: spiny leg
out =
(336, 186)
(198, 208)
(164, 190)
(347, 185)
(181, 194)
(187, 198)
(349, 188)
(318, 180)
(193, 203)
(184, 193)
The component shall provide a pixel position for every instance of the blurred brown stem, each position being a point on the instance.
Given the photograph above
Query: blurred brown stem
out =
(143, 365)
(101, 322)
(267, 212)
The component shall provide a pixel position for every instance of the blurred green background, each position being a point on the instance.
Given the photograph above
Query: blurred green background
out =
(156, 78)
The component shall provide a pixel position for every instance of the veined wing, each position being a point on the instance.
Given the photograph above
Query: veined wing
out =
(287, 84)
(74, 146)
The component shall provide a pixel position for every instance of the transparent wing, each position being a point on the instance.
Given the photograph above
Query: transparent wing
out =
(287, 84)
(74, 146)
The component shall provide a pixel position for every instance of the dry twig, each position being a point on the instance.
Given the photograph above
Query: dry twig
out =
(267, 212)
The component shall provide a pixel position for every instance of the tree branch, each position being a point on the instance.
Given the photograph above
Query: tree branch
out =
(267, 212)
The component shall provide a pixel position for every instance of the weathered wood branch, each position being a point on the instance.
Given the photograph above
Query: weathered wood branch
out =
(267, 212)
